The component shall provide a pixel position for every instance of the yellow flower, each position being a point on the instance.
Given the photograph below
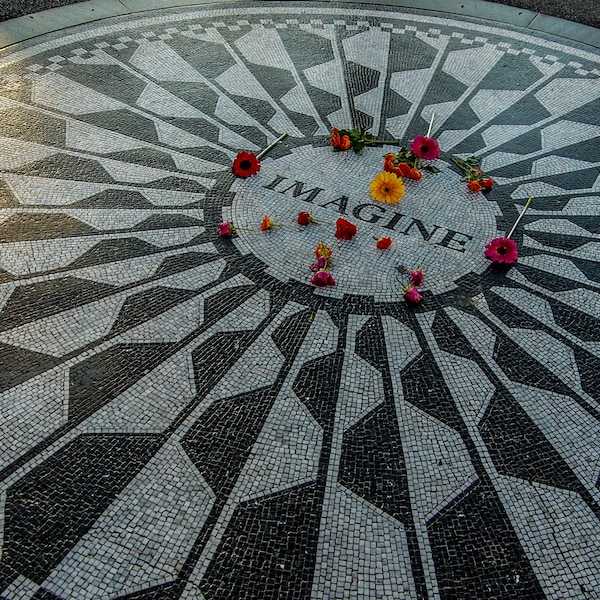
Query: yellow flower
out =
(387, 187)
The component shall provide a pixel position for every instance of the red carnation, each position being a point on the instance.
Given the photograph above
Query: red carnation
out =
(344, 229)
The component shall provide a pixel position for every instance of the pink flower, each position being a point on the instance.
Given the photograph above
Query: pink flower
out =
(416, 277)
(411, 294)
(320, 264)
(322, 278)
(224, 229)
(425, 147)
(502, 250)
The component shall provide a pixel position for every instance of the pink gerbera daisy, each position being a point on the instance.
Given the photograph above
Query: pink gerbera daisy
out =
(502, 250)
(425, 147)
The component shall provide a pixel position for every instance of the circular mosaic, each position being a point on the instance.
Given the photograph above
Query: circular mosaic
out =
(186, 416)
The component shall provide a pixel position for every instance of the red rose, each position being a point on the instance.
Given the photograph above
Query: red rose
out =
(487, 183)
(384, 243)
(344, 229)
(304, 218)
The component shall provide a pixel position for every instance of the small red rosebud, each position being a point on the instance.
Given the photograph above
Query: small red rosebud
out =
(411, 294)
(384, 243)
(487, 183)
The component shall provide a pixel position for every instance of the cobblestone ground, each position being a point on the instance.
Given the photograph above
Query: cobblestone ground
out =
(186, 416)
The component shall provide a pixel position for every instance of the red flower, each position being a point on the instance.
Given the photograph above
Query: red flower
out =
(384, 243)
(425, 147)
(502, 250)
(474, 185)
(304, 218)
(344, 229)
(224, 229)
(322, 278)
(246, 164)
(416, 277)
(487, 183)
(411, 294)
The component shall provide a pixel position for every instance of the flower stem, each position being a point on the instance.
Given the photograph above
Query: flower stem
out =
(527, 205)
(272, 145)
(430, 123)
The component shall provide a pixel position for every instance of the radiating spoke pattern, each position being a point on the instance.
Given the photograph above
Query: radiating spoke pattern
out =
(185, 416)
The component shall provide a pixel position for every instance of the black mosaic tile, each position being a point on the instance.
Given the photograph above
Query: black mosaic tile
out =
(519, 449)
(423, 386)
(114, 199)
(372, 464)
(42, 226)
(477, 553)
(520, 367)
(221, 439)
(64, 166)
(290, 334)
(32, 302)
(313, 388)
(370, 343)
(580, 324)
(101, 378)
(144, 306)
(51, 507)
(21, 365)
(147, 157)
(113, 250)
(449, 337)
(587, 365)
(268, 550)
(29, 125)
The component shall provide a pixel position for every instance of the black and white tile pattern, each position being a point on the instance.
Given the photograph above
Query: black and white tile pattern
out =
(185, 416)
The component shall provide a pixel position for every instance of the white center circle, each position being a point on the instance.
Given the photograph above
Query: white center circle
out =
(438, 225)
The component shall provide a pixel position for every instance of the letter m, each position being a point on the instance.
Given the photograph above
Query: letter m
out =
(298, 191)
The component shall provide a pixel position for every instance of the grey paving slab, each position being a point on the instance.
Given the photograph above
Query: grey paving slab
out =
(188, 415)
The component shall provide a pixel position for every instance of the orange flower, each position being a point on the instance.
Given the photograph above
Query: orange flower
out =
(474, 185)
(415, 174)
(335, 137)
(345, 143)
(323, 251)
(404, 169)
(266, 223)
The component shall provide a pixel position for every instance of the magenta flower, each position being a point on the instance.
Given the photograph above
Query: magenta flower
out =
(320, 264)
(502, 250)
(416, 277)
(224, 229)
(411, 294)
(425, 147)
(322, 278)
